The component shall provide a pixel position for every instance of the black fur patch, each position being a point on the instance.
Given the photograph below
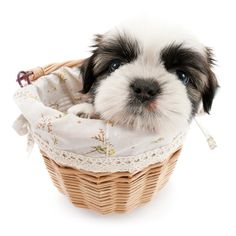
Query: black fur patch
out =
(196, 66)
(176, 57)
(210, 90)
(121, 47)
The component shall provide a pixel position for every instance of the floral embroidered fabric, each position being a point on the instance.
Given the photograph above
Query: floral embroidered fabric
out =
(89, 144)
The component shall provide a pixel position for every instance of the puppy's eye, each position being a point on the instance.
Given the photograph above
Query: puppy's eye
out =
(182, 76)
(114, 65)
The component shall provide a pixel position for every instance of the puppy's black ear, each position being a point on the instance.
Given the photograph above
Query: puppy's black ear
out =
(211, 88)
(86, 70)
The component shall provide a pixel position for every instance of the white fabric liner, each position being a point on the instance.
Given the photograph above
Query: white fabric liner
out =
(88, 144)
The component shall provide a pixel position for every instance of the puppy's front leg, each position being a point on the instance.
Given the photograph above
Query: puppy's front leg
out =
(83, 110)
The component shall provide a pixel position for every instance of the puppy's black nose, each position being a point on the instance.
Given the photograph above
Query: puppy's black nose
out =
(145, 89)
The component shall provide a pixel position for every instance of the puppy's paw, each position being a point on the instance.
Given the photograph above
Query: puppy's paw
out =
(83, 110)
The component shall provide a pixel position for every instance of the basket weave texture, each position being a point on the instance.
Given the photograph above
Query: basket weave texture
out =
(105, 192)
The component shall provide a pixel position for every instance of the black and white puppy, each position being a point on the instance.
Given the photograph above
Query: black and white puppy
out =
(152, 79)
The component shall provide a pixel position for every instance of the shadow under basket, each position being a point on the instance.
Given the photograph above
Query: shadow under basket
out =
(110, 192)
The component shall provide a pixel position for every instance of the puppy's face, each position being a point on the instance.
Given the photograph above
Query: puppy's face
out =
(151, 82)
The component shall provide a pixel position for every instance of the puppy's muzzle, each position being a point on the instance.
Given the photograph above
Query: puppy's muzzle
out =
(144, 90)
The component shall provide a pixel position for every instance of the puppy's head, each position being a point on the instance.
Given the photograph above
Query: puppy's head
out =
(152, 80)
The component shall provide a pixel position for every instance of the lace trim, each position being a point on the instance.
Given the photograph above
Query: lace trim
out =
(110, 164)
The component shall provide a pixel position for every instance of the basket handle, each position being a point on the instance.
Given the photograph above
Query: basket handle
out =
(37, 72)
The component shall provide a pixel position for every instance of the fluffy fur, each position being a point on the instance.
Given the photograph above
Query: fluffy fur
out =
(152, 80)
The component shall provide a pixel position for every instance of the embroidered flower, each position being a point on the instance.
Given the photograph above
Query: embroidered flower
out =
(105, 147)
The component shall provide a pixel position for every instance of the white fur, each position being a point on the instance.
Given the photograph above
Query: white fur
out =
(154, 36)
(84, 110)
(172, 109)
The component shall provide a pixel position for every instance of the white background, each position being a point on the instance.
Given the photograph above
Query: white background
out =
(200, 198)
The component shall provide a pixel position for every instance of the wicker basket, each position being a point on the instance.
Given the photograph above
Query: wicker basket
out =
(106, 192)
(103, 192)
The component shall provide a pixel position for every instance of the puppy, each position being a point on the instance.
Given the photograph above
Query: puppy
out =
(152, 79)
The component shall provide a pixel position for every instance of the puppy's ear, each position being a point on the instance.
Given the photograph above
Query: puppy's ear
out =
(212, 85)
(86, 70)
